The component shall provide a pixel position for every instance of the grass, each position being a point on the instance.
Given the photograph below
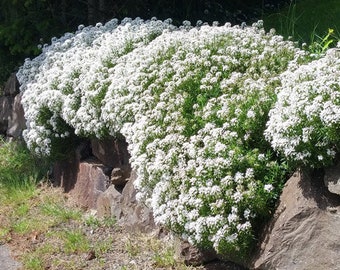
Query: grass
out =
(306, 20)
(47, 232)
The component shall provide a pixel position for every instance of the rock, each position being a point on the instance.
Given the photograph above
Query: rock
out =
(111, 152)
(304, 233)
(12, 86)
(17, 121)
(119, 176)
(332, 178)
(192, 255)
(132, 215)
(91, 181)
(195, 256)
(137, 217)
(220, 265)
(5, 112)
(109, 203)
(65, 172)
(6, 260)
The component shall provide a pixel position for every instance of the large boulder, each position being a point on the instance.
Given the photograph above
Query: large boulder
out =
(304, 233)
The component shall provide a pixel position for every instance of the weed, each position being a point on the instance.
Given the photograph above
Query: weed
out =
(132, 248)
(304, 20)
(19, 170)
(165, 258)
(33, 262)
(59, 212)
(320, 45)
(109, 222)
(75, 242)
(22, 226)
(102, 247)
(92, 222)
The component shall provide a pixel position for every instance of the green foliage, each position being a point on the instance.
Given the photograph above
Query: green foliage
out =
(320, 45)
(18, 168)
(75, 241)
(25, 24)
(306, 20)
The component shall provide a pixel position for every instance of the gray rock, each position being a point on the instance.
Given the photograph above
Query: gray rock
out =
(5, 112)
(120, 176)
(6, 260)
(109, 203)
(137, 216)
(131, 214)
(17, 121)
(192, 255)
(111, 152)
(304, 233)
(12, 86)
(332, 178)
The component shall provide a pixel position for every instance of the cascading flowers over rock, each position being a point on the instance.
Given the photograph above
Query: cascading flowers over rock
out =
(305, 122)
(64, 86)
(193, 104)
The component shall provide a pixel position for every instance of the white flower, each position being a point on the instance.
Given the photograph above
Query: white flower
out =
(268, 187)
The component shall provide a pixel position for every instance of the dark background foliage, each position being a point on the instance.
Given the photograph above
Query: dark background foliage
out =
(26, 23)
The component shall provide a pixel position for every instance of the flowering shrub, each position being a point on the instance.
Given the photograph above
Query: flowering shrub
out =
(64, 85)
(193, 104)
(305, 122)
(200, 103)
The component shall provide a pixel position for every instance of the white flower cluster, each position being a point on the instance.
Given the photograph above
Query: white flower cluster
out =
(192, 103)
(304, 123)
(64, 86)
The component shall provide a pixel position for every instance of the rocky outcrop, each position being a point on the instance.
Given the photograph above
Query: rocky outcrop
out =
(12, 120)
(304, 233)
(101, 179)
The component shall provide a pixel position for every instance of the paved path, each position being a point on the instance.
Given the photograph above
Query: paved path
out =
(6, 261)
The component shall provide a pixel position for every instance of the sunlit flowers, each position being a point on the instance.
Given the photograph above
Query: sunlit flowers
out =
(192, 102)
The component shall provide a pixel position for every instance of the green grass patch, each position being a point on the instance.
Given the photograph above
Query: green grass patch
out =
(19, 170)
(75, 242)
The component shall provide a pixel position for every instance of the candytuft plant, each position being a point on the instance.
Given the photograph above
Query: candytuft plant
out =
(193, 104)
(304, 123)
